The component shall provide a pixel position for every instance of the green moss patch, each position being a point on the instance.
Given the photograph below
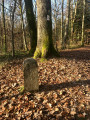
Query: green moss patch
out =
(37, 53)
(21, 90)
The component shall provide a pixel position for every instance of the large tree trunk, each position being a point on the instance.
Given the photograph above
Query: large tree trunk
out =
(44, 42)
(83, 22)
(23, 29)
(4, 28)
(67, 23)
(31, 24)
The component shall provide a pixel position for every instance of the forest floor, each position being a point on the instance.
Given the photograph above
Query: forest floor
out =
(64, 89)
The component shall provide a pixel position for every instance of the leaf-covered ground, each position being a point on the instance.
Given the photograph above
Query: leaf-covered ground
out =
(64, 89)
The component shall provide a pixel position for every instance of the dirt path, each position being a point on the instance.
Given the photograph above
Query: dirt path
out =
(79, 53)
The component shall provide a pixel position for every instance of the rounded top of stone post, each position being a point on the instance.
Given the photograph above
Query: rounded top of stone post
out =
(30, 62)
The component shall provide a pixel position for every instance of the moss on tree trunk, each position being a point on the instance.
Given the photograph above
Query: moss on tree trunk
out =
(44, 42)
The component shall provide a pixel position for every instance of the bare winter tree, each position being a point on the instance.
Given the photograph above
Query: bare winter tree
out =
(4, 27)
(62, 41)
(73, 16)
(23, 27)
(13, 12)
(67, 23)
(83, 19)
(55, 18)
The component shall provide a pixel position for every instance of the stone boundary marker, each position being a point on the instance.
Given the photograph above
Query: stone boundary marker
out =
(30, 75)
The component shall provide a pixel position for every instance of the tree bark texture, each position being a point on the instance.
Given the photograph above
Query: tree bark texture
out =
(83, 24)
(31, 24)
(62, 42)
(44, 42)
(67, 23)
(23, 29)
(13, 12)
(73, 17)
(55, 19)
(4, 28)
(0, 33)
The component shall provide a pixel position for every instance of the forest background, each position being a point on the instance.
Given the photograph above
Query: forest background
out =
(70, 25)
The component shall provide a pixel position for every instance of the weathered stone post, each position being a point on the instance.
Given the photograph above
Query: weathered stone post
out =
(31, 75)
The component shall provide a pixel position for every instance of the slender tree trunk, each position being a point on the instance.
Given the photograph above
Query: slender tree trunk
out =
(55, 19)
(23, 29)
(4, 29)
(44, 42)
(13, 49)
(31, 24)
(83, 19)
(67, 23)
(0, 28)
(0, 34)
(62, 42)
(73, 17)
(72, 21)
